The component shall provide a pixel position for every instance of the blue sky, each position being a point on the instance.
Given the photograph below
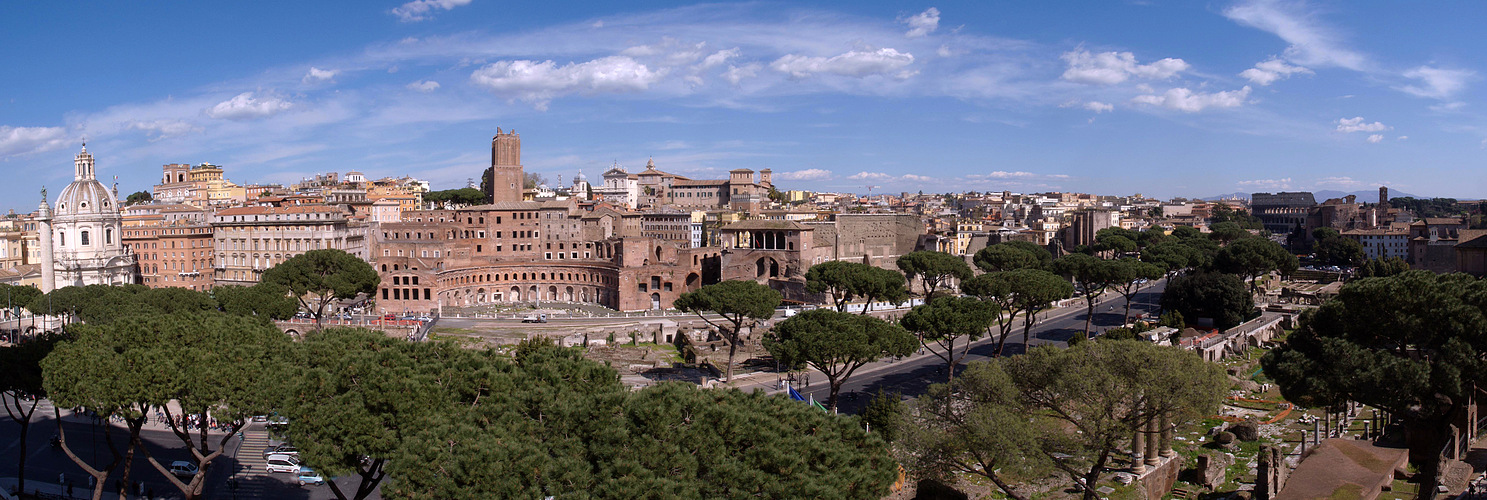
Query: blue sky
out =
(1163, 98)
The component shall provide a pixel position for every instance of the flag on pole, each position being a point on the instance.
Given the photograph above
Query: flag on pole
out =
(817, 405)
(795, 395)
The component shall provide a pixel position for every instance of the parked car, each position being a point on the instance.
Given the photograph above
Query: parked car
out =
(389, 317)
(279, 462)
(307, 475)
(535, 318)
(182, 468)
(282, 449)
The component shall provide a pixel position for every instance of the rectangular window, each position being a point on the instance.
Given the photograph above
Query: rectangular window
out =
(477, 248)
(384, 294)
(642, 287)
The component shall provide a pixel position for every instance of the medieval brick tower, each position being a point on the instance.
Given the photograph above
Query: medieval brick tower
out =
(506, 182)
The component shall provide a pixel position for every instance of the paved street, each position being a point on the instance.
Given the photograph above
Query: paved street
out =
(46, 465)
(914, 374)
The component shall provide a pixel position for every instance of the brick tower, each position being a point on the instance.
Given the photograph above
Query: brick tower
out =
(506, 182)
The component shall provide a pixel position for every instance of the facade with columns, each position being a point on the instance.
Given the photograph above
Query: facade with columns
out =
(86, 233)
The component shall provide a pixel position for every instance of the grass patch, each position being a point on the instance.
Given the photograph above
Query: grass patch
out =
(456, 338)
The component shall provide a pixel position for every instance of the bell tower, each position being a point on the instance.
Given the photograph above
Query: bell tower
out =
(83, 163)
(507, 181)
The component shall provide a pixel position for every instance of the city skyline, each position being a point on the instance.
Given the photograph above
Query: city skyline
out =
(1164, 100)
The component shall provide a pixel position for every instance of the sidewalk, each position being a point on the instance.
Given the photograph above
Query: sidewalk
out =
(50, 491)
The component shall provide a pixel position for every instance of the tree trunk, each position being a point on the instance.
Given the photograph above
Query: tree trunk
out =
(1093, 477)
(836, 386)
(25, 424)
(950, 360)
(1089, 316)
(732, 348)
(1006, 488)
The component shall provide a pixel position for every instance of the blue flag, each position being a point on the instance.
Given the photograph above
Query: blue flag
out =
(795, 395)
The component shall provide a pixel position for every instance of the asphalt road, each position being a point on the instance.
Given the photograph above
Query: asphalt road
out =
(45, 465)
(913, 375)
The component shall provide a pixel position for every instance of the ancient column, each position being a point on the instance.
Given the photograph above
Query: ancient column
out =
(48, 259)
(1138, 463)
(1153, 446)
(1166, 437)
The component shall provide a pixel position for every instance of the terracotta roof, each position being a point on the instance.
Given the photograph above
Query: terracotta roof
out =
(509, 205)
(749, 225)
(295, 209)
(706, 182)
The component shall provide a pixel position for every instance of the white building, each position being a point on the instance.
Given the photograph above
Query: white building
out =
(1381, 243)
(86, 229)
(620, 188)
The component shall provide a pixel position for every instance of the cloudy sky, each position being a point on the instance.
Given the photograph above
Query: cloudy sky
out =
(1166, 98)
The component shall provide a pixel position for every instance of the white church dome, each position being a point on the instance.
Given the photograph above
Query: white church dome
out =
(85, 196)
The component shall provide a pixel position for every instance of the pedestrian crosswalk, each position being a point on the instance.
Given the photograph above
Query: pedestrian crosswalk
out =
(250, 476)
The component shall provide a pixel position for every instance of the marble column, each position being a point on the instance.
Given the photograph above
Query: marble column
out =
(1138, 463)
(1166, 437)
(1153, 445)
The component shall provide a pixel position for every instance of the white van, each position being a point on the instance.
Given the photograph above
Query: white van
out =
(282, 463)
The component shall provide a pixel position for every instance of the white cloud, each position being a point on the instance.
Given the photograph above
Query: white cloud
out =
(1099, 107)
(917, 178)
(1267, 72)
(810, 174)
(1403, 138)
(245, 106)
(1355, 124)
(870, 176)
(1109, 68)
(736, 74)
(1002, 174)
(318, 75)
(923, 23)
(1312, 44)
(422, 10)
(1340, 181)
(1448, 107)
(719, 57)
(538, 82)
(944, 51)
(22, 140)
(1267, 183)
(1436, 83)
(161, 129)
(1375, 138)
(1187, 101)
(856, 63)
(424, 86)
